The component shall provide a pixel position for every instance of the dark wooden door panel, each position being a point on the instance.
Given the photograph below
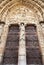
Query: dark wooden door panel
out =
(34, 61)
(8, 60)
(12, 46)
(33, 53)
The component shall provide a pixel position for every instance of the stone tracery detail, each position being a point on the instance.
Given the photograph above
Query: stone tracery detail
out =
(18, 11)
(21, 14)
(32, 4)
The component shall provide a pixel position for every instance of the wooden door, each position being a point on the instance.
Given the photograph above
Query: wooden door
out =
(32, 46)
(12, 45)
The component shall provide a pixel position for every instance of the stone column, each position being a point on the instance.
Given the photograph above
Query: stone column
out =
(42, 27)
(22, 46)
(41, 40)
(3, 41)
(1, 32)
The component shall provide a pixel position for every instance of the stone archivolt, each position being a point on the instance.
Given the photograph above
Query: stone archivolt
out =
(21, 14)
(36, 6)
(21, 11)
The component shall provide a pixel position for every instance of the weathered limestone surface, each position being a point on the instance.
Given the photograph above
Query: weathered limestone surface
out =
(21, 11)
(3, 41)
(22, 46)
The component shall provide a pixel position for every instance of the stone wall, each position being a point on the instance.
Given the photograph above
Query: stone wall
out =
(16, 12)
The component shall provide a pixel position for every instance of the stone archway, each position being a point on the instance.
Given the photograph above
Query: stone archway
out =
(21, 14)
(20, 11)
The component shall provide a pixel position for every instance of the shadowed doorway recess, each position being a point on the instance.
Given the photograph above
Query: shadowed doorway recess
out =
(32, 46)
(12, 45)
